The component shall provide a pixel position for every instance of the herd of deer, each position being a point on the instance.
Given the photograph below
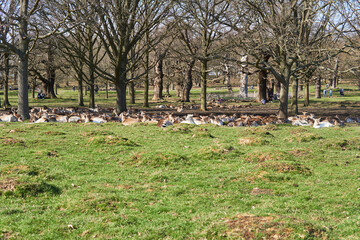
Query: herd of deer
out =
(103, 115)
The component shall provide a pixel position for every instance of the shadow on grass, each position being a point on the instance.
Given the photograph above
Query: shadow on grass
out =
(34, 189)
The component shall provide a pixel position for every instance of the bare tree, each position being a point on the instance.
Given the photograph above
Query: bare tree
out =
(121, 27)
(183, 58)
(161, 50)
(202, 17)
(281, 29)
(23, 14)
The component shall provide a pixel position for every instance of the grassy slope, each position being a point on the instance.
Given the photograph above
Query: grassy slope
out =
(142, 182)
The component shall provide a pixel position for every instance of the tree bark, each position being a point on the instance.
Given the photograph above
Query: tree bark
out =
(262, 81)
(244, 77)
(204, 64)
(262, 78)
(34, 88)
(120, 97)
(50, 74)
(228, 78)
(146, 80)
(284, 97)
(6, 102)
(16, 73)
(307, 93)
(107, 90)
(284, 91)
(158, 81)
(92, 93)
(80, 89)
(189, 81)
(167, 89)
(91, 68)
(336, 70)
(178, 89)
(132, 92)
(301, 86)
(318, 87)
(270, 89)
(295, 89)
(120, 84)
(277, 87)
(23, 94)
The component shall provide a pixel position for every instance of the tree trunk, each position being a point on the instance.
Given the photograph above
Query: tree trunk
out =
(16, 73)
(80, 89)
(262, 81)
(227, 78)
(318, 87)
(132, 92)
(107, 90)
(6, 102)
(301, 86)
(34, 88)
(120, 97)
(294, 102)
(50, 74)
(336, 70)
(277, 87)
(178, 89)
(307, 93)
(92, 93)
(284, 98)
(270, 89)
(244, 77)
(167, 89)
(189, 81)
(120, 84)
(262, 78)
(158, 81)
(203, 84)
(284, 92)
(146, 80)
(23, 94)
(91, 68)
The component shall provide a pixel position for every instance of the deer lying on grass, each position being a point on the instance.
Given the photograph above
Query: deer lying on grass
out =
(8, 118)
(102, 115)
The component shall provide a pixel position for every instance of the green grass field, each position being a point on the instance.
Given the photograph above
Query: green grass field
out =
(74, 181)
(85, 181)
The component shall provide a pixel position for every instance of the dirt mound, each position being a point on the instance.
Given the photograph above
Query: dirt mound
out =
(253, 227)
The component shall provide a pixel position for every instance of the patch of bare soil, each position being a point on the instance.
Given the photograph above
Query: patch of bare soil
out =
(264, 157)
(6, 235)
(12, 141)
(259, 192)
(286, 167)
(300, 152)
(253, 227)
(253, 177)
(246, 226)
(14, 169)
(8, 185)
(250, 141)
